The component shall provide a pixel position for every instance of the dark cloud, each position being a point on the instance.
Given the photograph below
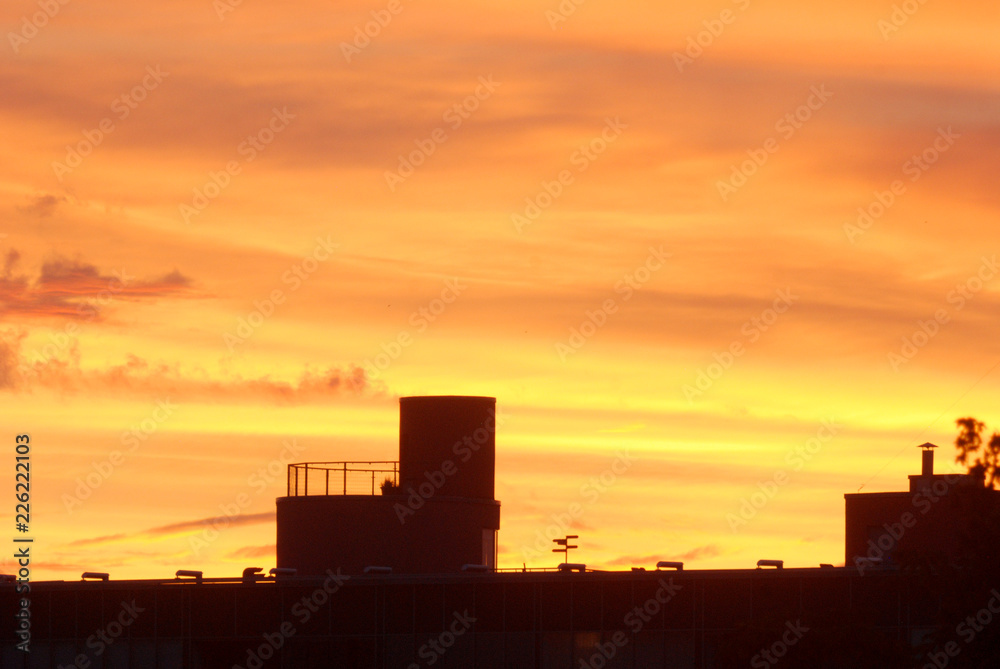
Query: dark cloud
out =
(43, 206)
(75, 290)
(10, 261)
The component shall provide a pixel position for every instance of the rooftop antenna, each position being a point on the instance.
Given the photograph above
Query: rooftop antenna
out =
(565, 546)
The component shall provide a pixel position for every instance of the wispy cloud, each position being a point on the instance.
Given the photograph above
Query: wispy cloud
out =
(698, 553)
(187, 526)
(175, 529)
(701, 552)
(138, 377)
(635, 560)
(251, 552)
(97, 541)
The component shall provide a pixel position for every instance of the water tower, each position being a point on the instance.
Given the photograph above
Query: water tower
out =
(431, 512)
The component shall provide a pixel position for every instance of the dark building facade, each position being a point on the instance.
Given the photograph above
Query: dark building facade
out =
(436, 513)
(814, 618)
(934, 519)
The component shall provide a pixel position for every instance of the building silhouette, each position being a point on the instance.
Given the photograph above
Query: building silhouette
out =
(435, 514)
(394, 565)
(934, 519)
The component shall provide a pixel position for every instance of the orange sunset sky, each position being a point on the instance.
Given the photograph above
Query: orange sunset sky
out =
(693, 247)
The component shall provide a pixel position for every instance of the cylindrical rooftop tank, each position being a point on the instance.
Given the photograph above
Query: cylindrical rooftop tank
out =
(448, 443)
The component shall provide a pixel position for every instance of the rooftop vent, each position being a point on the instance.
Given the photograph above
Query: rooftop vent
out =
(927, 468)
(573, 566)
(187, 573)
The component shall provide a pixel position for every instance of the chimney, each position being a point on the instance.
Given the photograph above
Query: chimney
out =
(927, 468)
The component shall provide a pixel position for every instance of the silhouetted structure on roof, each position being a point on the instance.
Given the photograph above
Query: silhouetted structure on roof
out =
(437, 515)
(407, 578)
(931, 521)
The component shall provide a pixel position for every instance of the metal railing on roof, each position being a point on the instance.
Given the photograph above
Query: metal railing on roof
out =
(340, 478)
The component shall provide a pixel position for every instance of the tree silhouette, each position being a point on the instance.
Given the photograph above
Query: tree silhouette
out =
(983, 465)
(961, 588)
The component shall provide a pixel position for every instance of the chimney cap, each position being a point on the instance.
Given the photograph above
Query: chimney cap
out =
(927, 445)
